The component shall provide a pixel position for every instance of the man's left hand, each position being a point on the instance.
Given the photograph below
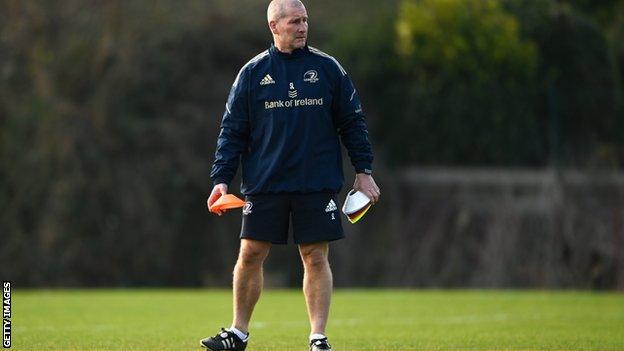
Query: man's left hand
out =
(366, 184)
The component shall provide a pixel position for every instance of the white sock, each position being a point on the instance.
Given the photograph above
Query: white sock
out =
(239, 333)
(317, 336)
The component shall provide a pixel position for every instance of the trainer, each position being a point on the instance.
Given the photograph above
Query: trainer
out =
(286, 113)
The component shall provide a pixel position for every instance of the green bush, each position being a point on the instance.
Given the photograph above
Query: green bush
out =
(467, 88)
(578, 91)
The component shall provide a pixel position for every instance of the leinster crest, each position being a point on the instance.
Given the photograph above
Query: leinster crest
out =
(310, 76)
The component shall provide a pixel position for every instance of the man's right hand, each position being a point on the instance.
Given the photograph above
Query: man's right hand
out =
(217, 191)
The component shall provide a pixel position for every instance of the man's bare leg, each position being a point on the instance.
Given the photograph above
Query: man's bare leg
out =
(317, 284)
(248, 280)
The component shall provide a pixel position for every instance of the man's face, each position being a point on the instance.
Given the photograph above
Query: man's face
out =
(291, 31)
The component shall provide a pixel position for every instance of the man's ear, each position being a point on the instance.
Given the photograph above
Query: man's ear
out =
(273, 26)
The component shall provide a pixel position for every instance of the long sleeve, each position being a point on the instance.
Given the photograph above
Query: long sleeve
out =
(234, 135)
(349, 120)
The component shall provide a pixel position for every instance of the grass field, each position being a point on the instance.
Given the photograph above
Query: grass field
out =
(360, 320)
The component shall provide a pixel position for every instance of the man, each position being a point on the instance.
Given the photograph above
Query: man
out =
(284, 116)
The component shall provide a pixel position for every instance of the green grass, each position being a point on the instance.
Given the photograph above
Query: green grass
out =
(360, 320)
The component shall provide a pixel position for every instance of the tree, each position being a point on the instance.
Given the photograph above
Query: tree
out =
(466, 93)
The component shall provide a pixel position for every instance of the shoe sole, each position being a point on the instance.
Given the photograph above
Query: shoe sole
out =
(204, 346)
(208, 348)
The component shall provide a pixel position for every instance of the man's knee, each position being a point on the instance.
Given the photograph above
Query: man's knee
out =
(253, 253)
(314, 256)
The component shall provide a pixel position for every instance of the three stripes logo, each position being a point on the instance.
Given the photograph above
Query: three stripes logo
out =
(331, 206)
(227, 341)
(267, 80)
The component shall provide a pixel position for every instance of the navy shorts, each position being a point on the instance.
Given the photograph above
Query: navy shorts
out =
(315, 217)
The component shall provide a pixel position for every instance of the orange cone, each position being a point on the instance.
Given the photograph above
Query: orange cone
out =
(226, 202)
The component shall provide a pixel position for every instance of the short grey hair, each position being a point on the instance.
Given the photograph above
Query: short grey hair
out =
(277, 8)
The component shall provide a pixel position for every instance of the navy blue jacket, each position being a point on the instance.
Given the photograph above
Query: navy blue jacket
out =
(284, 116)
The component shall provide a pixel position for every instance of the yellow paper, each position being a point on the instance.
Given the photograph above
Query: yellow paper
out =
(359, 214)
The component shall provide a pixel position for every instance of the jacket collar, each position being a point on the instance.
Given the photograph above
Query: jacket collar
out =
(295, 54)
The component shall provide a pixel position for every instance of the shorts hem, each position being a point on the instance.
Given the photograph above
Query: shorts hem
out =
(263, 239)
(312, 241)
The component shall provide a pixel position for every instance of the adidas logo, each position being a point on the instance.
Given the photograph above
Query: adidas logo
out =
(331, 206)
(267, 80)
